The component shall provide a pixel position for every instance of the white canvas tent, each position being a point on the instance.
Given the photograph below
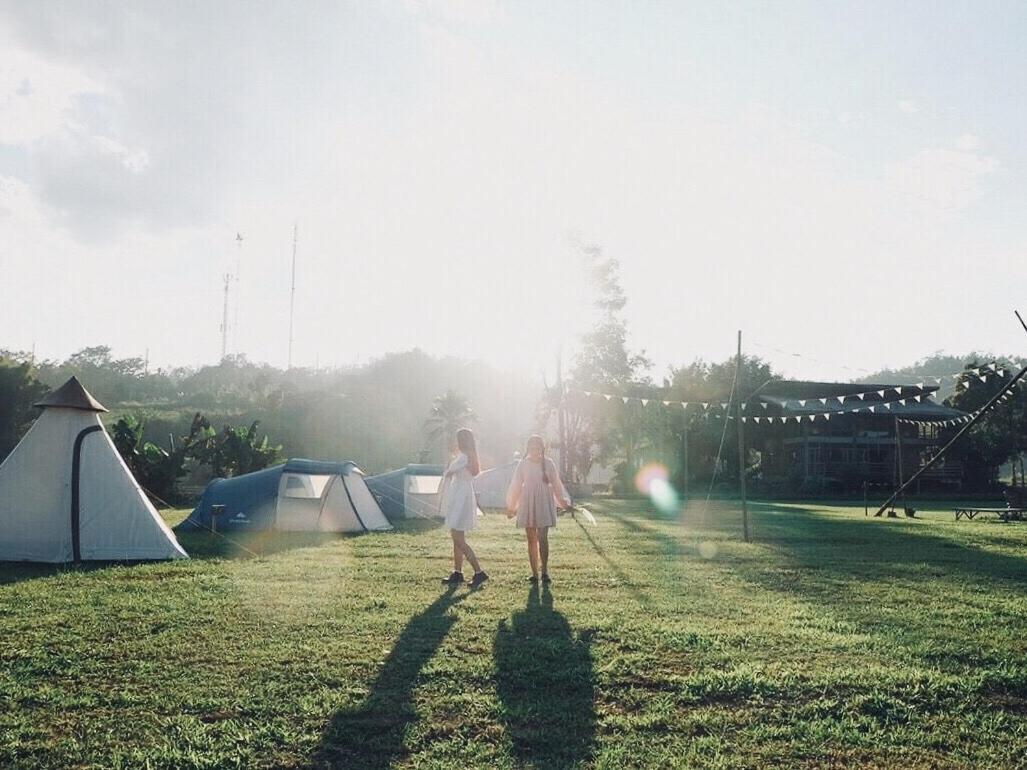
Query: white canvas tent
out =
(66, 494)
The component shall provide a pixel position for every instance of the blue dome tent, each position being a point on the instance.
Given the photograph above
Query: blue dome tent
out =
(297, 496)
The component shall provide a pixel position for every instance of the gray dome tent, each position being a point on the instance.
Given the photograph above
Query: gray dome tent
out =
(297, 496)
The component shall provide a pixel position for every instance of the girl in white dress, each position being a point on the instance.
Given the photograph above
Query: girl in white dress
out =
(534, 493)
(461, 508)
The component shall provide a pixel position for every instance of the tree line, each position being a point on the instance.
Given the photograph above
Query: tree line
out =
(186, 423)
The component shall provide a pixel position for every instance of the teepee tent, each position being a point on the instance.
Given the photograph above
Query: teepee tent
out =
(297, 496)
(66, 494)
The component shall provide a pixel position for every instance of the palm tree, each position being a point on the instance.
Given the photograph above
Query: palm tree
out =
(449, 412)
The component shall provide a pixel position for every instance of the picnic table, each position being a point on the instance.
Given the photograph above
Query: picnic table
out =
(1006, 514)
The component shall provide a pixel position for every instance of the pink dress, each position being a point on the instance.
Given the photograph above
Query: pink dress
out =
(533, 499)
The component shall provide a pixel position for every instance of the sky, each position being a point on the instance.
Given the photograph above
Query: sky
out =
(846, 183)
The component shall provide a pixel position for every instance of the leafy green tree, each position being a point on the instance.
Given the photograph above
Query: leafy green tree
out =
(999, 437)
(19, 390)
(449, 413)
(157, 469)
(236, 451)
(604, 362)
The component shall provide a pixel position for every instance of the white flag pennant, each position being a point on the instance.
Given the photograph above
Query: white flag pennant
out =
(645, 402)
(881, 393)
(823, 401)
(624, 399)
(607, 396)
(802, 402)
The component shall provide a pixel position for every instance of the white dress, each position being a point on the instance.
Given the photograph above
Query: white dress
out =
(530, 495)
(458, 502)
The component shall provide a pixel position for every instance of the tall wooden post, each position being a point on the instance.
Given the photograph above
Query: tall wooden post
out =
(684, 460)
(561, 425)
(741, 439)
(898, 459)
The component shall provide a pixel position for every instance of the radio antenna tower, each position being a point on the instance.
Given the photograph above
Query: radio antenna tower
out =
(224, 318)
(292, 291)
(238, 294)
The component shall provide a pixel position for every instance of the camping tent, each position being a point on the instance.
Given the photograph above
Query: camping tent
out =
(66, 494)
(298, 496)
(491, 485)
(410, 492)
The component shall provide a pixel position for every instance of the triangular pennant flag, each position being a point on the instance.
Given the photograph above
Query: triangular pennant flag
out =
(684, 405)
(983, 378)
(881, 393)
(706, 405)
(763, 404)
(802, 402)
(861, 396)
(666, 403)
(918, 399)
(757, 419)
(724, 405)
(827, 416)
(887, 406)
(607, 396)
(872, 408)
(624, 399)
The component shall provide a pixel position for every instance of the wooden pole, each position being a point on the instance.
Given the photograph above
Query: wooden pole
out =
(741, 439)
(930, 463)
(684, 459)
(898, 458)
(561, 425)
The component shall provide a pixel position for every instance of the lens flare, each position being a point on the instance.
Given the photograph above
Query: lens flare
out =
(707, 549)
(653, 480)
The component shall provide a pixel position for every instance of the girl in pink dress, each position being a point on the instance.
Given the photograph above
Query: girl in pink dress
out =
(534, 493)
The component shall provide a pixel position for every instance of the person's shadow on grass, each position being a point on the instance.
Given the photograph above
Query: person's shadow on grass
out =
(371, 735)
(545, 682)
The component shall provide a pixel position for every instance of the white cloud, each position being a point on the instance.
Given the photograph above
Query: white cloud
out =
(909, 107)
(941, 177)
(37, 97)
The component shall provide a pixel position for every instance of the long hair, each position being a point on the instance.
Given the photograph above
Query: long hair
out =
(465, 443)
(535, 438)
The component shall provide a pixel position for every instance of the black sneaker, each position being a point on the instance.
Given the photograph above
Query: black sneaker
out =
(533, 580)
(478, 579)
(546, 580)
(455, 579)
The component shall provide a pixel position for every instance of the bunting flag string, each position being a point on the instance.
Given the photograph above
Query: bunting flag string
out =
(717, 410)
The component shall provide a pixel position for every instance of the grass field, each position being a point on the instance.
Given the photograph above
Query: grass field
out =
(833, 640)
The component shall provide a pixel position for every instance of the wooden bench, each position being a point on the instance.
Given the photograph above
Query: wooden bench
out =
(1005, 514)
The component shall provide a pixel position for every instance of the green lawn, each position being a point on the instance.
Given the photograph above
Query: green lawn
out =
(833, 640)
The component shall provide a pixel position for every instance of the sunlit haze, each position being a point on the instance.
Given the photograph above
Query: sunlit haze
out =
(845, 181)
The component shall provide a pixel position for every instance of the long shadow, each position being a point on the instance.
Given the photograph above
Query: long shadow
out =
(18, 571)
(867, 548)
(371, 735)
(640, 596)
(545, 681)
